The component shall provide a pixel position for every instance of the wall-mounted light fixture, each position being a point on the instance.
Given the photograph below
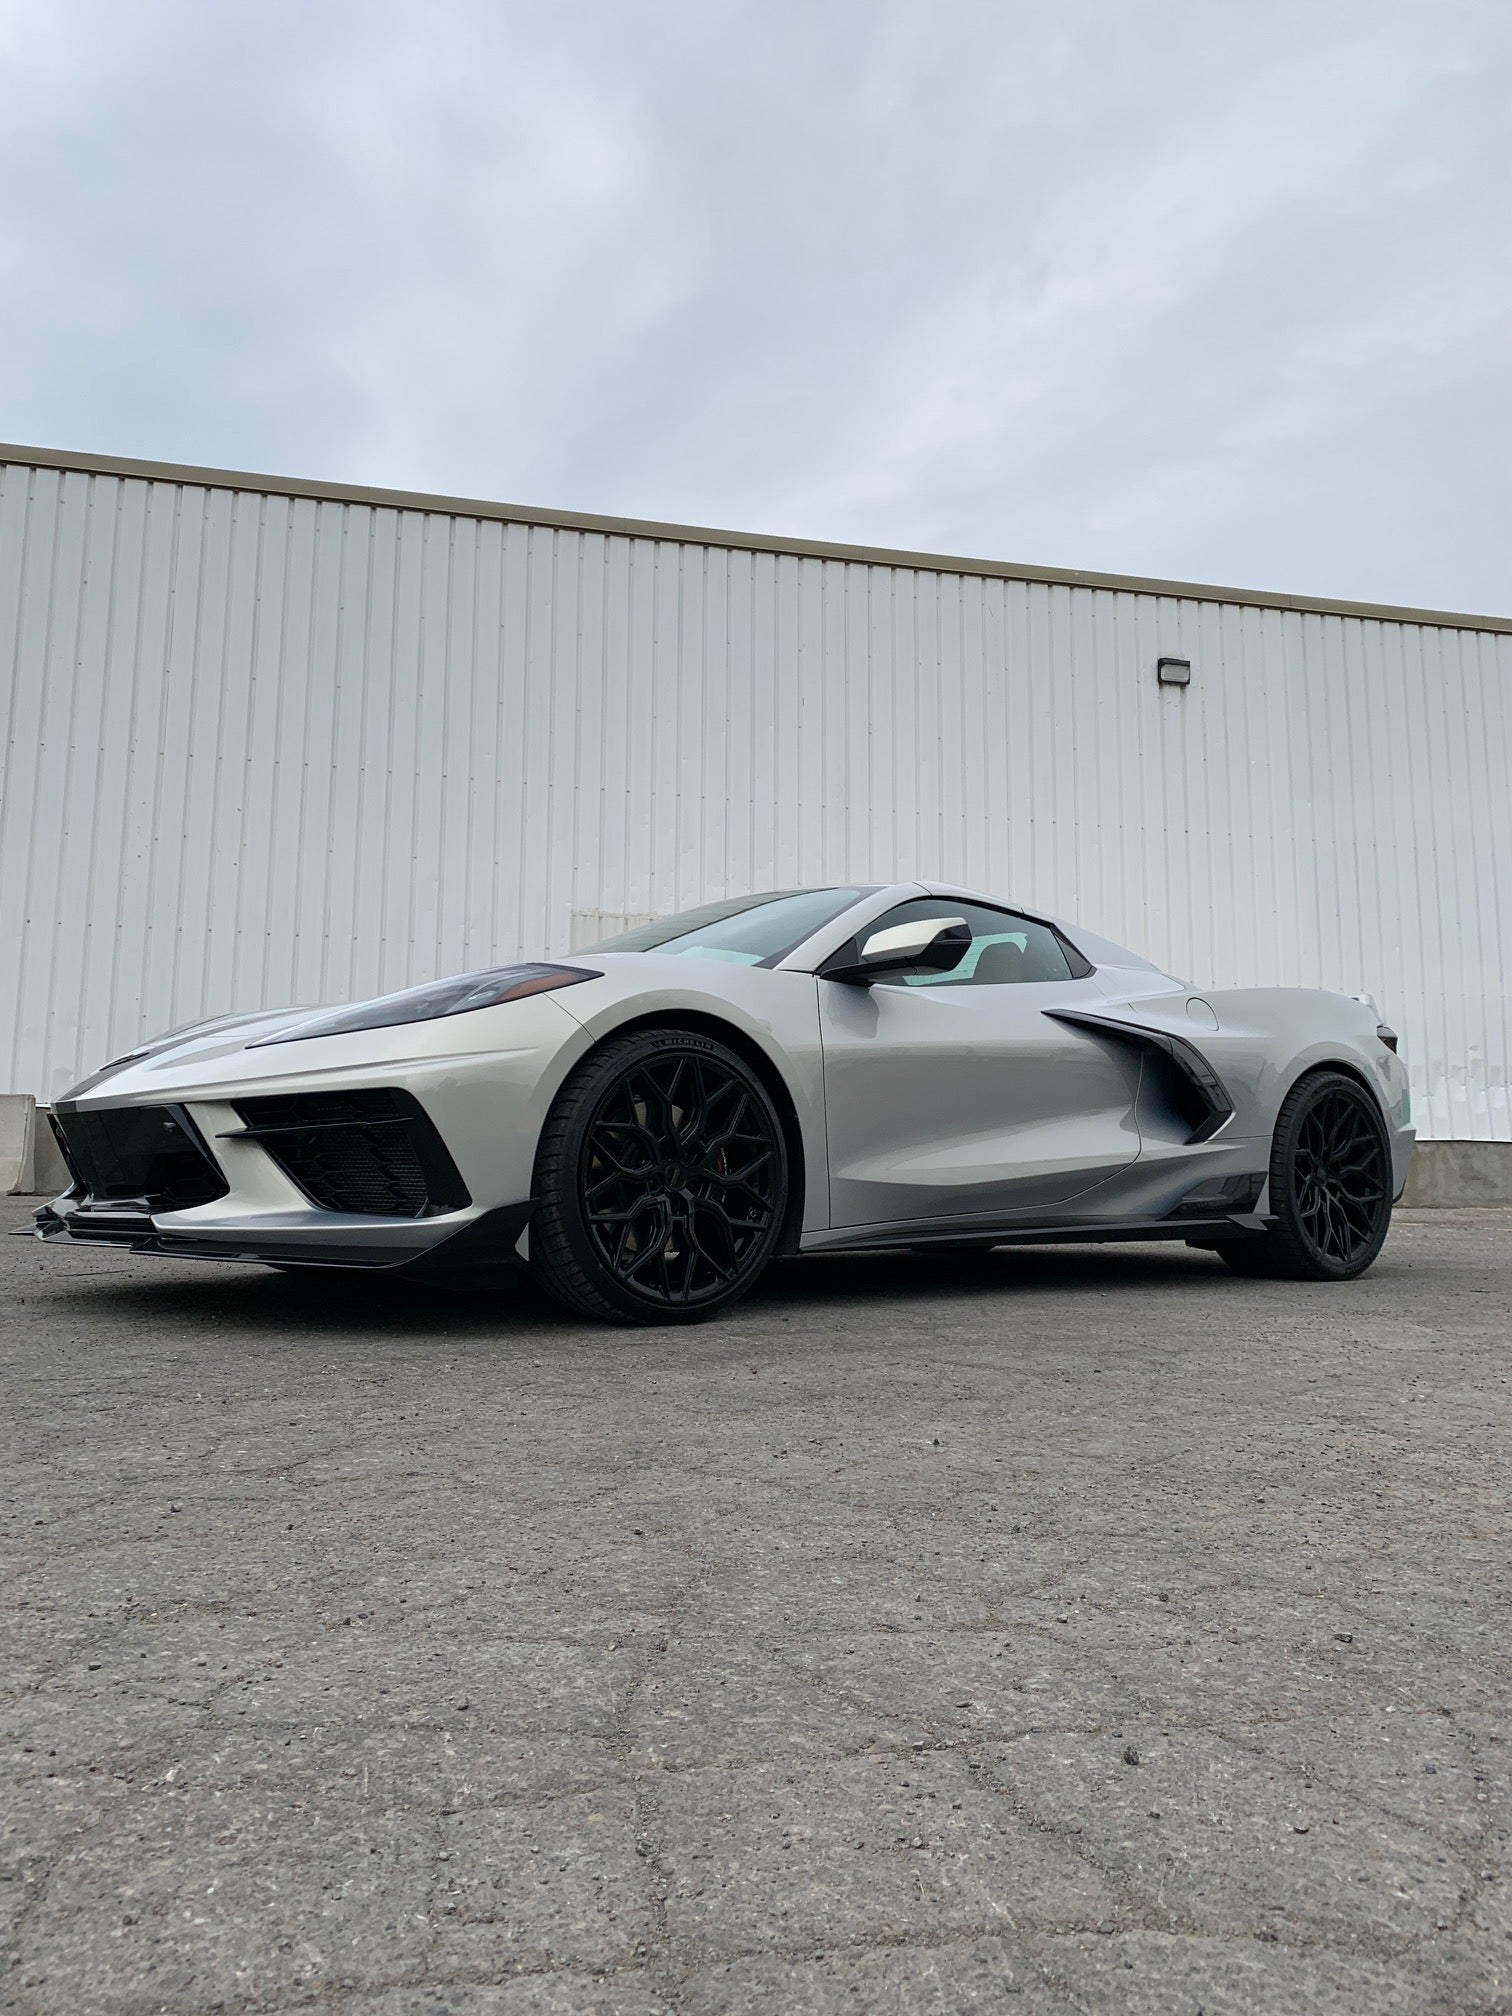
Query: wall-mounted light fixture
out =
(1174, 671)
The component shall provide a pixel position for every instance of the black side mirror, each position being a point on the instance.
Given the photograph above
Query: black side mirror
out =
(932, 945)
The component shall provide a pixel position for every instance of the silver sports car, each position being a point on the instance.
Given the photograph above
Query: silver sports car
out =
(648, 1123)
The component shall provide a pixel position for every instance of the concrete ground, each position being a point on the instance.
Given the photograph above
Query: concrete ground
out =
(1059, 1631)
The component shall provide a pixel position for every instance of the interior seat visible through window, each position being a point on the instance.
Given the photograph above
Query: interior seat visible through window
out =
(1002, 959)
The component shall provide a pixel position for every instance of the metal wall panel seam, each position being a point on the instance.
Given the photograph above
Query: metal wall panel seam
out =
(51, 799)
(1497, 735)
(58, 857)
(17, 803)
(1475, 865)
(91, 938)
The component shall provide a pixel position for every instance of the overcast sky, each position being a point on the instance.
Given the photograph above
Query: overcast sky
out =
(1215, 289)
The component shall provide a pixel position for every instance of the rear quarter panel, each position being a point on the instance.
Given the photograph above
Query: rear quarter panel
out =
(1266, 1038)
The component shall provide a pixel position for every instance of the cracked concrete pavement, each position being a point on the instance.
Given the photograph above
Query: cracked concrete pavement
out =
(1047, 1631)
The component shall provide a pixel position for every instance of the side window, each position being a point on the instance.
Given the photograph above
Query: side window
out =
(1004, 948)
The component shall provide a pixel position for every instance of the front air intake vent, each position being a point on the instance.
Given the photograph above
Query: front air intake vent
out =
(151, 1156)
(374, 1154)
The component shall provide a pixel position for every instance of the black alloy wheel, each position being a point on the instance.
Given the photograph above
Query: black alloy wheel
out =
(661, 1181)
(1330, 1185)
(1339, 1169)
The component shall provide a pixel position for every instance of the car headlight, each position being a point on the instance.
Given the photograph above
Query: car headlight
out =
(437, 998)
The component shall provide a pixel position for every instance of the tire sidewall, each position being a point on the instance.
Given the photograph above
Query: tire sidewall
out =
(588, 1088)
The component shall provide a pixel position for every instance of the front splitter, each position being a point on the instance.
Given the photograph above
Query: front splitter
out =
(483, 1243)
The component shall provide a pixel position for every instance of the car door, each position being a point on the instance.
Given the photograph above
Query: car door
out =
(956, 1096)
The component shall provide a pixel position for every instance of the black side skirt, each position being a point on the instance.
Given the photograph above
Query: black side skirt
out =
(891, 1238)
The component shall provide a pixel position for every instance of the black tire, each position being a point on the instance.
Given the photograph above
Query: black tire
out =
(661, 1181)
(1330, 1186)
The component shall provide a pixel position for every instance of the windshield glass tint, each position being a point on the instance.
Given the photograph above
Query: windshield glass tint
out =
(745, 930)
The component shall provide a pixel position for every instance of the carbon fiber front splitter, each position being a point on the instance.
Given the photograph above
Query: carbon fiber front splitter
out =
(484, 1243)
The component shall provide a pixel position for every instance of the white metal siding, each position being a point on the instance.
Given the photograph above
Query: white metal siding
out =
(262, 749)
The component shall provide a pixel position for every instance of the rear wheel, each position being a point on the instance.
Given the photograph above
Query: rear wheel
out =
(661, 1181)
(1330, 1186)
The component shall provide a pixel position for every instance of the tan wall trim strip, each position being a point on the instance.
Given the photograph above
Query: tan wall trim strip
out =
(756, 542)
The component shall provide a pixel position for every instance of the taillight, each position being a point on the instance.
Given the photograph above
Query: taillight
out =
(1386, 1035)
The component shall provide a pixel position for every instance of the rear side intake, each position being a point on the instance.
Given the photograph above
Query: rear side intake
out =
(1193, 1087)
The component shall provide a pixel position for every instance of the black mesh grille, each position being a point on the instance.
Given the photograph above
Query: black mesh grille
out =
(374, 1153)
(142, 1154)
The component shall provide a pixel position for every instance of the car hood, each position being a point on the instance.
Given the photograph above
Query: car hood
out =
(213, 1038)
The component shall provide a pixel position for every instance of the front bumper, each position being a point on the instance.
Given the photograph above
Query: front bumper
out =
(451, 1115)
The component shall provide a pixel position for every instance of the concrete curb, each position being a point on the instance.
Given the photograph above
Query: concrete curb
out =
(18, 1123)
(1446, 1174)
(30, 1165)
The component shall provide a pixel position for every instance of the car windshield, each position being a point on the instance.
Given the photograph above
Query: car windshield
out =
(743, 930)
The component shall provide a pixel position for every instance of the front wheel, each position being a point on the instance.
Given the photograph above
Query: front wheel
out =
(661, 1181)
(1330, 1186)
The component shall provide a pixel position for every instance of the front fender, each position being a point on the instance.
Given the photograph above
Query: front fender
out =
(773, 1010)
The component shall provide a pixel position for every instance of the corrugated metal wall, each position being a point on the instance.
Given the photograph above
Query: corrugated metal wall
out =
(262, 749)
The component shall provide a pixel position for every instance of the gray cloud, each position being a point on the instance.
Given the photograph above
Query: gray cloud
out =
(1186, 287)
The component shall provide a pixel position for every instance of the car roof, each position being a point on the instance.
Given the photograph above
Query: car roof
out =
(1091, 944)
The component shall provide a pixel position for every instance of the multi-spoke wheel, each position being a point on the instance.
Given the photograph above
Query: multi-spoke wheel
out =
(661, 1181)
(1330, 1185)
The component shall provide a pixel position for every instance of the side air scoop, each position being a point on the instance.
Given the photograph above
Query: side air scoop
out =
(1210, 1105)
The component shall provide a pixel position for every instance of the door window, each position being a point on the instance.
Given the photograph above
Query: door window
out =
(1004, 947)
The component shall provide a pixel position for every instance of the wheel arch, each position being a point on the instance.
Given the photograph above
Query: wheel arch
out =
(751, 1053)
(1332, 1066)
(1344, 1067)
